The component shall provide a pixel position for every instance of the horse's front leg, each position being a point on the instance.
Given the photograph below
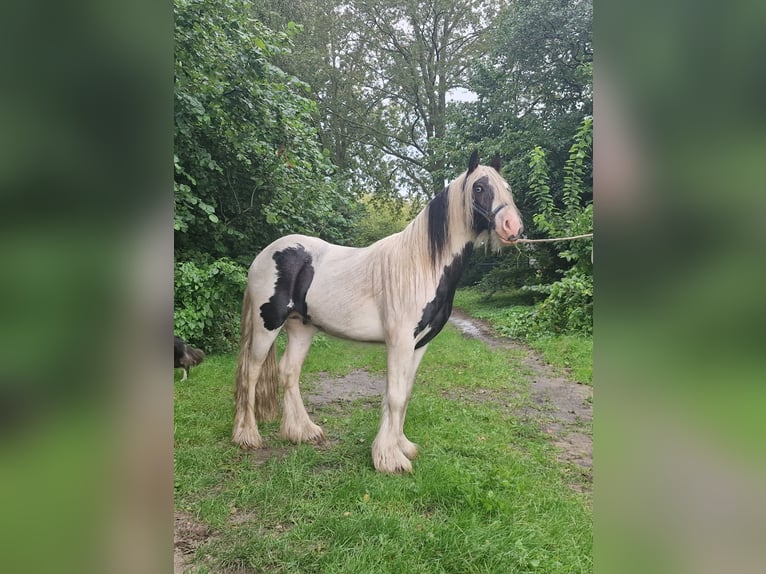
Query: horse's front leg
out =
(409, 448)
(391, 451)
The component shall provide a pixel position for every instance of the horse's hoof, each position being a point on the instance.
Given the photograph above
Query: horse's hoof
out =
(391, 461)
(247, 440)
(410, 449)
(309, 434)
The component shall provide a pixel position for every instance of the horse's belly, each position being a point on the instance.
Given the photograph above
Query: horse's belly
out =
(344, 314)
(358, 326)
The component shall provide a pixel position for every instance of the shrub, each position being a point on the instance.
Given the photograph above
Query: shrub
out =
(208, 301)
(568, 308)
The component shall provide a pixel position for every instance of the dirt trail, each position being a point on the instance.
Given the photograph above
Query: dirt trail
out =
(188, 534)
(563, 408)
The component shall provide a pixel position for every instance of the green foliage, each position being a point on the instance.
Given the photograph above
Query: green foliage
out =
(534, 92)
(539, 190)
(248, 163)
(534, 87)
(568, 306)
(208, 299)
(381, 217)
(382, 71)
(511, 269)
(572, 217)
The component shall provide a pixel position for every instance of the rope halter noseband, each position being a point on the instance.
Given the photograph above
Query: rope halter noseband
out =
(488, 215)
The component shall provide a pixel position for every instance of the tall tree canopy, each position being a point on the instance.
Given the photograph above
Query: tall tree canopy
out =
(534, 86)
(382, 72)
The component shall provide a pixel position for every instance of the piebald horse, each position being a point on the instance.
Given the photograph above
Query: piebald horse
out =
(397, 291)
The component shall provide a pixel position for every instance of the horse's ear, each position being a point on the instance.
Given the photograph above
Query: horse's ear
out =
(497, 163)
(473, 161)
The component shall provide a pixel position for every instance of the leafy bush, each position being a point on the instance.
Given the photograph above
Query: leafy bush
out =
(380, 217)
(513, 269)
(568, 308)
(208, 300)
(249, 165)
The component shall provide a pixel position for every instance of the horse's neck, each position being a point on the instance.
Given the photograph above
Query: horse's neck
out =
(415, 245)
(456, 235)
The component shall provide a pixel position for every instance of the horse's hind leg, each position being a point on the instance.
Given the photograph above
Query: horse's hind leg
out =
(257, 349)
(296, 425)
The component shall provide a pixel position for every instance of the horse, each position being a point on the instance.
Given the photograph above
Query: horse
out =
(397, 291)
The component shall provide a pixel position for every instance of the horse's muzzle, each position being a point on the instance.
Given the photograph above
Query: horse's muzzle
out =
(509, 228)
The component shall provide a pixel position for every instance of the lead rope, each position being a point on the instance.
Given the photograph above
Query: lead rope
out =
(554, 239)
(524, 240)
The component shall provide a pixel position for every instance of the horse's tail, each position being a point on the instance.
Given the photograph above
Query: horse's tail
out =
(266, 387)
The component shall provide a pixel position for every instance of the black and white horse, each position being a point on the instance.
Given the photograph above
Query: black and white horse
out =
(397, 291)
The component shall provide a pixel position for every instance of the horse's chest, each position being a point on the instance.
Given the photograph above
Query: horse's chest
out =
(437, 311)
(435, 316)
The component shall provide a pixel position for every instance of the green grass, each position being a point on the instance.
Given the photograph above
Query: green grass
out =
(571, 355)
(486, 494)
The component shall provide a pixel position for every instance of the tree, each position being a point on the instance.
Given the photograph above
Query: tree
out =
(416, 52)
(381, 72)
(249, 165)
(535, 85)
(533, 88)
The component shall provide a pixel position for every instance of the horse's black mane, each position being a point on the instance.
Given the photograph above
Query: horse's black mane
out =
(438, 223)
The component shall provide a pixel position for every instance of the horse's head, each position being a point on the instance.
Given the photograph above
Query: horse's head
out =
(491, 202)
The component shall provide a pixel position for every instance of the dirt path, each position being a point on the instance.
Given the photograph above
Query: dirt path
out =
(562, 408)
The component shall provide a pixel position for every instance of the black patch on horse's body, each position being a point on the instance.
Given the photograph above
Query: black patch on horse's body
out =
(294, 275)
(438, 220)
(437, 311)
(482, 201)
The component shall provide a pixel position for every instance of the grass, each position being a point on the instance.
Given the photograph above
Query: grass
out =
(571, 355)
(486, 494)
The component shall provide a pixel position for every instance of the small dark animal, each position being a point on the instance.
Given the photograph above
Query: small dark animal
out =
(185, 356)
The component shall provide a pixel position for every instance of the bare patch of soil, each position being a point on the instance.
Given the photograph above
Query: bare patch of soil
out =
(188, 534)
(259, 456)
(562, 408)
(358, 384)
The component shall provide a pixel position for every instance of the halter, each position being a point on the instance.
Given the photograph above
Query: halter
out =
(488, 215)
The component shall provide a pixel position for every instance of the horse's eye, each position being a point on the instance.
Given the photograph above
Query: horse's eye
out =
(478, 189)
